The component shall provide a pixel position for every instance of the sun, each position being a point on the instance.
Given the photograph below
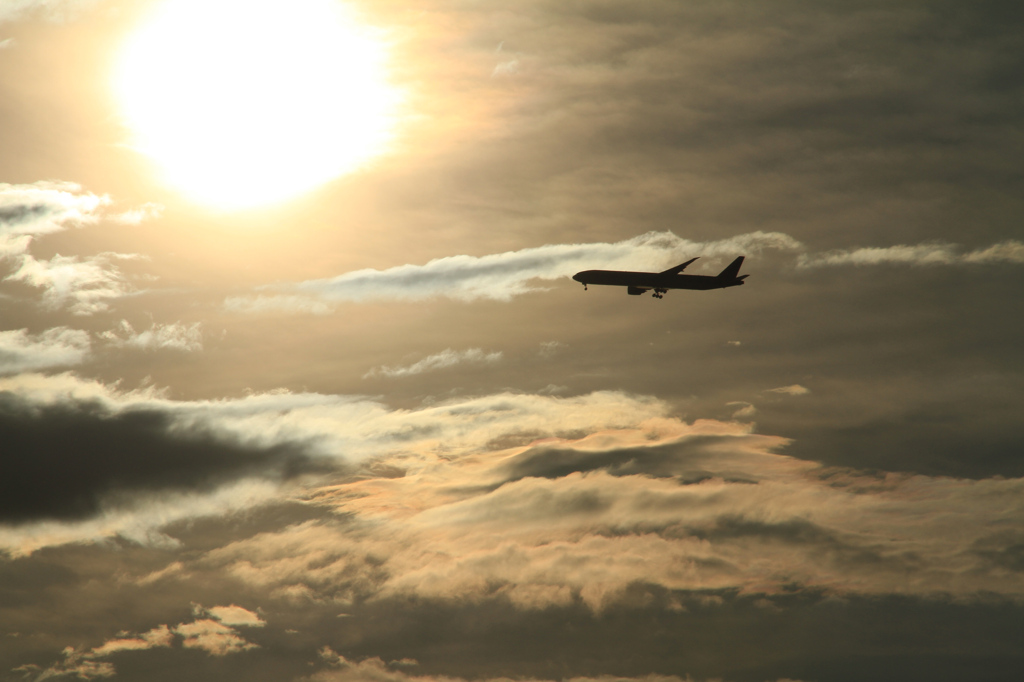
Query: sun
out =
(245, 103)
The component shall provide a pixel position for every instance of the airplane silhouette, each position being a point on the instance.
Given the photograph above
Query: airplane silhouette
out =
(637, 283)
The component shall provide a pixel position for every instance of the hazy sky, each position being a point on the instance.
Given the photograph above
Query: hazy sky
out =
(295, 384)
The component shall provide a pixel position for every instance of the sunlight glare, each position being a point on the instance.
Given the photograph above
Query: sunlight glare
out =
(248, 102)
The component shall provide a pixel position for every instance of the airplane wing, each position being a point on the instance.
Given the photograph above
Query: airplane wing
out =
(679, 268)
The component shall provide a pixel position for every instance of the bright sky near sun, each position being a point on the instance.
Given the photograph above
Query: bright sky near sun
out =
(242, 104)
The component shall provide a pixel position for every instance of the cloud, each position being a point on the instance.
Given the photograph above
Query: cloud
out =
(210, 457)
(236, 616)
(138, 519)
(795, 389)
(265, 304)
(43, 208)
(744, 410)
(46, 207)
(504, 276)
(707, 506)
(534, 501)
(57, 347)
(136, 216)
(85, 285)
(157, 637)
(508, 68)
(84, 665)
(216, 638)
(443, 360)
(7, 43)
(1007, 252)
(75, 663)
(53, 10)
(120, 449)
(935, 253)
(213, 637)
(549, 349)
(176, 336)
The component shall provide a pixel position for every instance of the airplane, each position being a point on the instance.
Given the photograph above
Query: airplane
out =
(637, 283)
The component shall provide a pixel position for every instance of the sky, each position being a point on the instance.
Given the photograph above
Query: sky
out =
(295, 384)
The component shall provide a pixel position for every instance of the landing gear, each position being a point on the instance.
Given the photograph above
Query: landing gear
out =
(659, 293)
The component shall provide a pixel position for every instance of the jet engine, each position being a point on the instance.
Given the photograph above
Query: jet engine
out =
(635, 291)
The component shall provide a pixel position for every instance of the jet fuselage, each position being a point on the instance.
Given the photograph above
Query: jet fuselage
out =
(637, 283)
(654, 280)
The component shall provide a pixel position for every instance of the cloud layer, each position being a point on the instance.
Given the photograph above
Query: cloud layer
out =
(536, 500)
(57, 347)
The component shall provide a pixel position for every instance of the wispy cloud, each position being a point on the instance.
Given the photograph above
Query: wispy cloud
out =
(795, 389)
(157, 637)
(43, 208)
(51, 206)
(57, 347)
(936, 253)
(744, 410)
(138, 215)
(432, 363)
(176, 336)
(504, 276)
(87, 664)
(267, 304)
(217, 636)
(236, 616)
(53, 10)
(549, 349)
(507, 68)
(85, 285)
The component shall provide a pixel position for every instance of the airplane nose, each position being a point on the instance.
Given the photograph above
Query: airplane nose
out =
(577, 276)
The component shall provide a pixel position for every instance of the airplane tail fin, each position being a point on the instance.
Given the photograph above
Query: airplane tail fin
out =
(732, 270)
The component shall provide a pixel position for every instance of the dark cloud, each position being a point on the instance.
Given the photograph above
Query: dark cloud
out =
(797, 636)
(67, 461)
(13, 215)
(687, 462)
